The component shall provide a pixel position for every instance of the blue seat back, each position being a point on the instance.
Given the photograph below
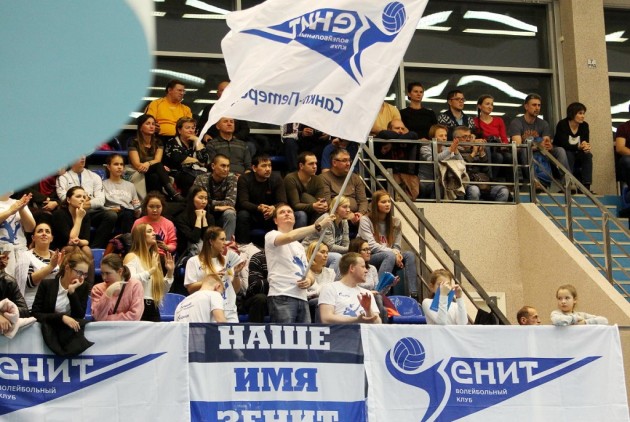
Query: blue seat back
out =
(168, 305)
(97, 254)
(88, 309)
(406, 306)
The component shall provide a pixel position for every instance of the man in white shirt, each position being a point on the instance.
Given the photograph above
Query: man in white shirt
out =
(344, 302)
(286, 264)
(205, 305)
(102, 219)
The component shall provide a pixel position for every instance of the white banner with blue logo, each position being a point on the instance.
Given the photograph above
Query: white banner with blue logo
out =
(135, 371)
(325, 63)
(472, 373)
(276, 373)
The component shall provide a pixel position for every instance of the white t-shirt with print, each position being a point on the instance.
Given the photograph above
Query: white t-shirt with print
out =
(345, 299)
(195, 273)
(198, 307)
(286, 265)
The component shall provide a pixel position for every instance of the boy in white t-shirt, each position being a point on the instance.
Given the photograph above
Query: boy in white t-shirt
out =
(205, 305)
(344, 302)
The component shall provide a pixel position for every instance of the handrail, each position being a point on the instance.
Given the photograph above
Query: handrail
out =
(435, 163)
(571, 224)
(425, 225)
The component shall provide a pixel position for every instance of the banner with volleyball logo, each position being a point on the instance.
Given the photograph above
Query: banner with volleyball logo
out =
(447, 373)
(326, 63)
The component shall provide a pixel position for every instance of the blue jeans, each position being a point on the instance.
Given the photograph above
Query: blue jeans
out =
(287, 309)
(497, 193)
(333, 263)
(227, 220)
(301, 219)
(386, 261)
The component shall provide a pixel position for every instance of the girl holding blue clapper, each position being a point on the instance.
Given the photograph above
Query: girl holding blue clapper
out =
(445, 306)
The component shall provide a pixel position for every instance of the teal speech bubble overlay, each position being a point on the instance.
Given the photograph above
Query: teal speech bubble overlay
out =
(71, 73)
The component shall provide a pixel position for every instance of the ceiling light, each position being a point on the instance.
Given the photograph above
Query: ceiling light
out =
(499, 18)
(433, 19)
(496, 83)
(499, 32)
(184, 77)
(435, 91)
(205, 6)
(159, 14)
(202, 16)
(616, 37)
(620, 108)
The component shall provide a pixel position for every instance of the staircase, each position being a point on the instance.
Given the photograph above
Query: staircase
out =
(588, 232)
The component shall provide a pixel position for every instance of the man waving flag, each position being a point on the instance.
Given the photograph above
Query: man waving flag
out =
(327, 63)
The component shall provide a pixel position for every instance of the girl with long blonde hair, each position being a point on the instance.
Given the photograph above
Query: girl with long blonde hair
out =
(143, 261)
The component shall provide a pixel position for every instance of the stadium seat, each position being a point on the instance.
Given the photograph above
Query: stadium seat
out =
(409, 309)
(88, 309)
(168, 305)
(98, 256)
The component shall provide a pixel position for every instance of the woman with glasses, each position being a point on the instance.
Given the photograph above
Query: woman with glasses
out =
(63, 299)
(143, 261)
(164, 229)
(119, 297)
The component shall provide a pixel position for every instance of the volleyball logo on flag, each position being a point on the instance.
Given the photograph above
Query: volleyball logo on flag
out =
(340, 35)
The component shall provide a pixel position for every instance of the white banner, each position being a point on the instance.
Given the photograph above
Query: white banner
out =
(326, 63)
(472, 373)
(135, 371)
(291, 373)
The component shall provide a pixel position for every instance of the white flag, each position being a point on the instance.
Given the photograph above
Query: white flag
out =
(327, 63)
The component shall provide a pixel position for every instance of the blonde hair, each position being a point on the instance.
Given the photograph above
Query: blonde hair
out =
(343, 200)
(311, 249)
(144, 252)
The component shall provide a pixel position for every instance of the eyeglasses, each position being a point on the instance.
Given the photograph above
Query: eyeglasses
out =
(467, 137)
(81, 274)
(458, 99)
(365, 250)
(345, 160)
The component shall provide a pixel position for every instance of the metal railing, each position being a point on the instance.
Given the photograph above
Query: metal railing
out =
(513, 167)
(569, 186)
(380, 177)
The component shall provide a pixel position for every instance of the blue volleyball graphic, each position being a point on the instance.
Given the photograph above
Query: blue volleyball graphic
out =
(408, 354)
(394, 16)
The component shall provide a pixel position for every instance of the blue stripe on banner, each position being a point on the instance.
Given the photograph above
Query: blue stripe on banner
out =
(275, 343)
(273, 411)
